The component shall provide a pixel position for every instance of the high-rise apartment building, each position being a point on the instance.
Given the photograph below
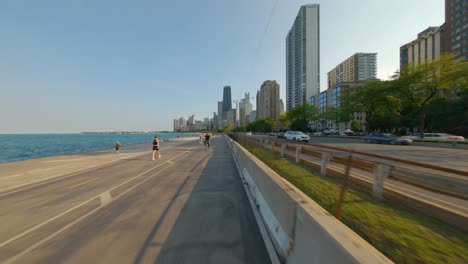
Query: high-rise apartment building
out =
(227, 101)
(281, 106)
(176, 125)
(220, 110)
(427, 47)
(268, 105)
(303, 57)
(245, 107)
(357, 68)
(456, 27)
(191, 120)
(182, 122)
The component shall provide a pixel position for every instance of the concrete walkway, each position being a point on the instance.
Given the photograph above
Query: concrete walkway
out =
(187, 207)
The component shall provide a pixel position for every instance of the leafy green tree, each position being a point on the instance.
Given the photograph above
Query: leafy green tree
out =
(283, 122)
(375, 99)
(421, 84)
(261, 125)
(227, 128)
(301, 116)
(355, 125)
(330, 113)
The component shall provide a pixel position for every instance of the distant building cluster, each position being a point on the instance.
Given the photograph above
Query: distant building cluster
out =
(303, 72)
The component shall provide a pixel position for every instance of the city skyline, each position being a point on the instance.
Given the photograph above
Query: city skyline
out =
(76, 67)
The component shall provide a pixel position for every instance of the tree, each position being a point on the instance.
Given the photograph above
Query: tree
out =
(375, 99)
(261, 125)
(330, 113)
(227, 128)
(301, 116)
(421, 84)
(283, 122)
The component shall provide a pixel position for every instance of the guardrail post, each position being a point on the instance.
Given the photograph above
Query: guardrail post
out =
(344, 187)
(298, 154)
(325, 159)
(283, 149)
(381, 172)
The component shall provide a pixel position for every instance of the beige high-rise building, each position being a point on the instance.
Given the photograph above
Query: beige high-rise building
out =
(268, 100)
(427, 47)
(245, 107)
(357, 68)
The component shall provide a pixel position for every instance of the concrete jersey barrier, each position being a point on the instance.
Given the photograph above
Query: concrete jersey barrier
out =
(300, 229)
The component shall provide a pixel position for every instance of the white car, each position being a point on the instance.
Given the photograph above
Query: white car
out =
(248, 133)
(317, 133)
(436, 136)
(297, 136)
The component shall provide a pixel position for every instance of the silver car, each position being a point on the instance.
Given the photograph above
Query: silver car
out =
(296, 136)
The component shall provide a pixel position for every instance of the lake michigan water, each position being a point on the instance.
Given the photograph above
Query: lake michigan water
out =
(30, 146)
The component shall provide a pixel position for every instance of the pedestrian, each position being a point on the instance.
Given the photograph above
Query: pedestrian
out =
(156, 146)
(117, 147)
(201, 139)
(207, 139)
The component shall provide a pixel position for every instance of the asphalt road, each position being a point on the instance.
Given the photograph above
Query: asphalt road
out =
(450, 158)
(187, 207)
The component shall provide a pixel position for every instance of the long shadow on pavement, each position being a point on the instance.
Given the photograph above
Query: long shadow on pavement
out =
(216, 224)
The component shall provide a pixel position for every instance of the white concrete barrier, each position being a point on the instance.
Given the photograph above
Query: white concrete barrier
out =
(300, 229)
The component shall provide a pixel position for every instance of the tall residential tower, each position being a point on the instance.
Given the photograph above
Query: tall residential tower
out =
(268, 101)
(456, 25)
(303, 58)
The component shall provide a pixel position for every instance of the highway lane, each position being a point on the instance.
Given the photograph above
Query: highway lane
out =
(450, 158)
(444, 157)
(187, 207)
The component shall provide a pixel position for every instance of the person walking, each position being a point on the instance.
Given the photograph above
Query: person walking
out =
(207, 139)
(117, 147)
(201, 139)
(156, 146)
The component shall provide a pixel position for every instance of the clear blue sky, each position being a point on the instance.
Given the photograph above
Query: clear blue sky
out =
(71, 66)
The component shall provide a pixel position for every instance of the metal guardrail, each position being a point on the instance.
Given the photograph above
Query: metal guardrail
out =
(409, 174)
(377, 173)
(404, 161)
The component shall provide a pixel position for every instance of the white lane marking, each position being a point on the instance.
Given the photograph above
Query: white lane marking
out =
(105, 198)
(12, 176)
(57, 177)
(170, 162)
(82, 183)
(50, 161)
(44, 240)
(77, 206)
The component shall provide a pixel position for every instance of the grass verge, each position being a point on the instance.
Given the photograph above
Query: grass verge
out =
(401, 234)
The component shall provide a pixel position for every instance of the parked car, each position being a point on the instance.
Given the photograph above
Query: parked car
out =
(346, 132)
(317, 133)
(330, 132)
(436, 136)
(280, 135)
(248, 133)
(297, 136)
(387, 138)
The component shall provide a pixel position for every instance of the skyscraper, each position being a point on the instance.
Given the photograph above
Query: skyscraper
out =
(220, 110)
(303, 57)
(357, 68)
(176, 125)
(456, 27)
(227, 101)
(245, 107)
(268, 102)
